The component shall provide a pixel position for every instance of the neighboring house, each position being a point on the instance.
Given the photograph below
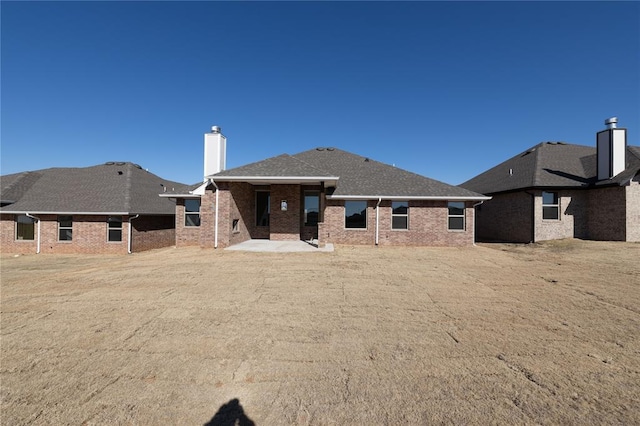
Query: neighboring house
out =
(109, 208)
(558, 190)
(324, 195)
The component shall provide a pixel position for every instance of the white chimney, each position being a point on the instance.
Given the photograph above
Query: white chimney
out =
(611, 147)
(215, 152)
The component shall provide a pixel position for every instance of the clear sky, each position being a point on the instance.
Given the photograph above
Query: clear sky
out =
(445, 90)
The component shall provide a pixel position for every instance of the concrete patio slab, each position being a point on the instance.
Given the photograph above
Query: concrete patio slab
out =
(280, 246)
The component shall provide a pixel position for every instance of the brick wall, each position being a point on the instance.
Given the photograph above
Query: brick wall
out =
(506, 217)
(573, 219)
(606, 214)
(285, 225)
(633, 209)
(89, 235)
(185, 235)
(428, 226)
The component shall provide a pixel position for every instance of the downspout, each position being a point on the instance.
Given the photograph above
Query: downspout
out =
(378, 219)
(38, 241)
(129, 236)
(474, 221)
(215, 226)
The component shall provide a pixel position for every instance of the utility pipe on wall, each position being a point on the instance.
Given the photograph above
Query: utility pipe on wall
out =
(215, 226)
(129, 236)
(474, 221)
(378, 219)
(37, 219)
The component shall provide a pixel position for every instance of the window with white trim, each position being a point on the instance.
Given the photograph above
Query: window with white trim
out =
(65, 228)
(355, 214)
(192, 212)
(400, 215)
(456, 216)
(550, 206)
(114, 228)
(25, 228)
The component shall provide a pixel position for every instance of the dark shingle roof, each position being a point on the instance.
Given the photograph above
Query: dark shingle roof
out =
(106, 188)
(361, 176)
(358, 176)
(549, 165)
(282, 165)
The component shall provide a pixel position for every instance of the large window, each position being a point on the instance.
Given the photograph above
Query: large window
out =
(355, 214)
(192, 212)
(263, 208)
(456, 216)
(65, 228)
(114, 228)
(311, 208)
(400, 215)
(550, 206)
(24, 228)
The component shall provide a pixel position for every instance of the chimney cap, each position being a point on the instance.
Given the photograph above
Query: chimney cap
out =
(611, 122)
(215, 129)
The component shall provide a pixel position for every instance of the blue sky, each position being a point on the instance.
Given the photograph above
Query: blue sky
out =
(446, 90)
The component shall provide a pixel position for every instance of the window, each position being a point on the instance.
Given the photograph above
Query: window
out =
(24, 227)
(311, 208)
(263, 208)
(400, 215)
(456, 216)
(65, 228)
(192, 212)
(550, 206)
(114, 228)
(355, 214)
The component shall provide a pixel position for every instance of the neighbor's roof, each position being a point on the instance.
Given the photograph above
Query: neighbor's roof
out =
(107, 188)
(354, 176)
(551, 165)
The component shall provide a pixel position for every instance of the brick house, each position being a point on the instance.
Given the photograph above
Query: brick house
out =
(558, 190)
(109, 208)
(323, 195)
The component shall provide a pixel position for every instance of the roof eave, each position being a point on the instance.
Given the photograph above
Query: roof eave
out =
(275, 179)
(410, 197)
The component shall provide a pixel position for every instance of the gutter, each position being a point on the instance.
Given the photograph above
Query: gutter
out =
(378, 219)
(37, 219)
(215, 226)
(129, 236)
(407, 197)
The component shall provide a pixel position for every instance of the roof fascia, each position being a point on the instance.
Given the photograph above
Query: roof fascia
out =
(404, 198)
(168, 195)
(69, 213)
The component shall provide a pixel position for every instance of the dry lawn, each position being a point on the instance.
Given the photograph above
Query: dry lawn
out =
(508, 334)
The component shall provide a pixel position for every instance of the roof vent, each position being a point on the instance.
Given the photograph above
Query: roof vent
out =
(611, 123)
(109, 163)
(138, 166)
(330, 148)
(319, 148)
(120, 163)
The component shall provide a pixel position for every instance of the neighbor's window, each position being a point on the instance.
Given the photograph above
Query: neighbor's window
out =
(192, 212)
(355, 214)
(311, 208)
(65, 228)
(550, 206)
(400, 215)
(456, 216)
(24, 227)
(114, 228)
(263, 208)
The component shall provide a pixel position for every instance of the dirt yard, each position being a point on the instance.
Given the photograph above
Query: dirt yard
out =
(508, 334)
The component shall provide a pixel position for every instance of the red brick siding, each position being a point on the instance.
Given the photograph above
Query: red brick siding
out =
(185, 235)
(633, 210)
(89, 235)
(428, 226)
(572, 222)
(506, 217)
(285, 225)
(606, 214)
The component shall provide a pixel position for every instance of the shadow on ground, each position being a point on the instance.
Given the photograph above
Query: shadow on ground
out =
(230, 414)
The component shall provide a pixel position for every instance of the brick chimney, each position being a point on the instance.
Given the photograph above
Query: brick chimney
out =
(611, 145)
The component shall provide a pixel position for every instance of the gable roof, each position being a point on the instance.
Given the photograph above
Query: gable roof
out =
(551, 165)
(117, 188)
(354, 176)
